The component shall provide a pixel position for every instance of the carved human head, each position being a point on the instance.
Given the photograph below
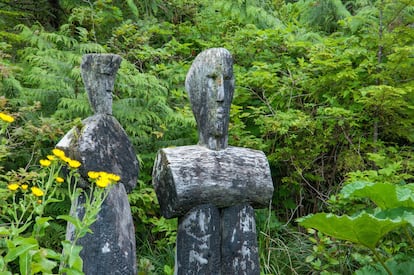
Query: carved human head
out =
(98, 72)
(210, 86)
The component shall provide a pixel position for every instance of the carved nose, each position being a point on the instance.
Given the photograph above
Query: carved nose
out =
(220, 89)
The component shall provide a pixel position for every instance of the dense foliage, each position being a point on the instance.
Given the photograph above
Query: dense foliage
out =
(324, 87)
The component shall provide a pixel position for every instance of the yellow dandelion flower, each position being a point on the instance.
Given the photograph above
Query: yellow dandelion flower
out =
(24, 186)
(37, 191)
(59, 153)
(74, 163)
(103, 182)
(13, 186)
(51, 157)
(102, 174)
(59, 180)
(93, 175)
(113, 177)
(45, 162)
(65, 159)
(6, 118)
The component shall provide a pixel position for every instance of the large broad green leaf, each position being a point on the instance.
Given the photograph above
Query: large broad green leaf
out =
(384, 195)
(404, 213)
(405, 194)
(364, 229)
(394, 266)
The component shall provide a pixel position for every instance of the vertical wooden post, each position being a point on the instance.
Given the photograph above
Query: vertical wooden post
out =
(198, 241)
(239, 251)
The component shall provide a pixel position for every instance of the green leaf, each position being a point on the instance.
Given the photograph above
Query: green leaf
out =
(51, 254)
(15, 252)
(364, 229)
(394, 266)
(25, 260)
(41, 224)
(70, 271)
(74, 261)
(41, 263)
(75, 221)
(133, 8)
(405, 194)
(4, 231)
(404, 213)
(50, 200)
(384, 195)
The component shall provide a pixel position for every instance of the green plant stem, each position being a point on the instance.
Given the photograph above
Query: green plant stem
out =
(18, 220)
(407, 233)
(380, 260)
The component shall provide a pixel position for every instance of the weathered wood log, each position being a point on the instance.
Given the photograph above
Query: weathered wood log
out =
(187, 176)
(198, 242)
(239, 252)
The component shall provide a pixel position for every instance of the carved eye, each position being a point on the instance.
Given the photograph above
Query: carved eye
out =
(212, 75)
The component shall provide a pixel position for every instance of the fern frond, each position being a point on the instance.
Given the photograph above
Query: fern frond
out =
(90, 48)
(249, 12)
(71, 108)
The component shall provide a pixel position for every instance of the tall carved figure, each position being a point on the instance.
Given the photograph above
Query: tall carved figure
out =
(101, 144)
(212, 187)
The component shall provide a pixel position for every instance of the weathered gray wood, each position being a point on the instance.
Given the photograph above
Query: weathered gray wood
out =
(239, 251)
(110, 249)
(101, 144)
(188, 176)
(98, 73)
(198, 242)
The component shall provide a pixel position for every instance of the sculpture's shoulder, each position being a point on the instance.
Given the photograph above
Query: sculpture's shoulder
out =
(197, 153)
(203, 150)
(187, 176)
(101, 144)
(175, 163)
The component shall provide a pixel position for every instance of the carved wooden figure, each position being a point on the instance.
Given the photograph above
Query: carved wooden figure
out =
(211, 187)
(101, 144)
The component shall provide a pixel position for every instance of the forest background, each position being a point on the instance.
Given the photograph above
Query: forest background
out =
(324, 87)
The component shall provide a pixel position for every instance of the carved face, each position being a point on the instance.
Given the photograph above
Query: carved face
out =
(219, 91)
(210, 84)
